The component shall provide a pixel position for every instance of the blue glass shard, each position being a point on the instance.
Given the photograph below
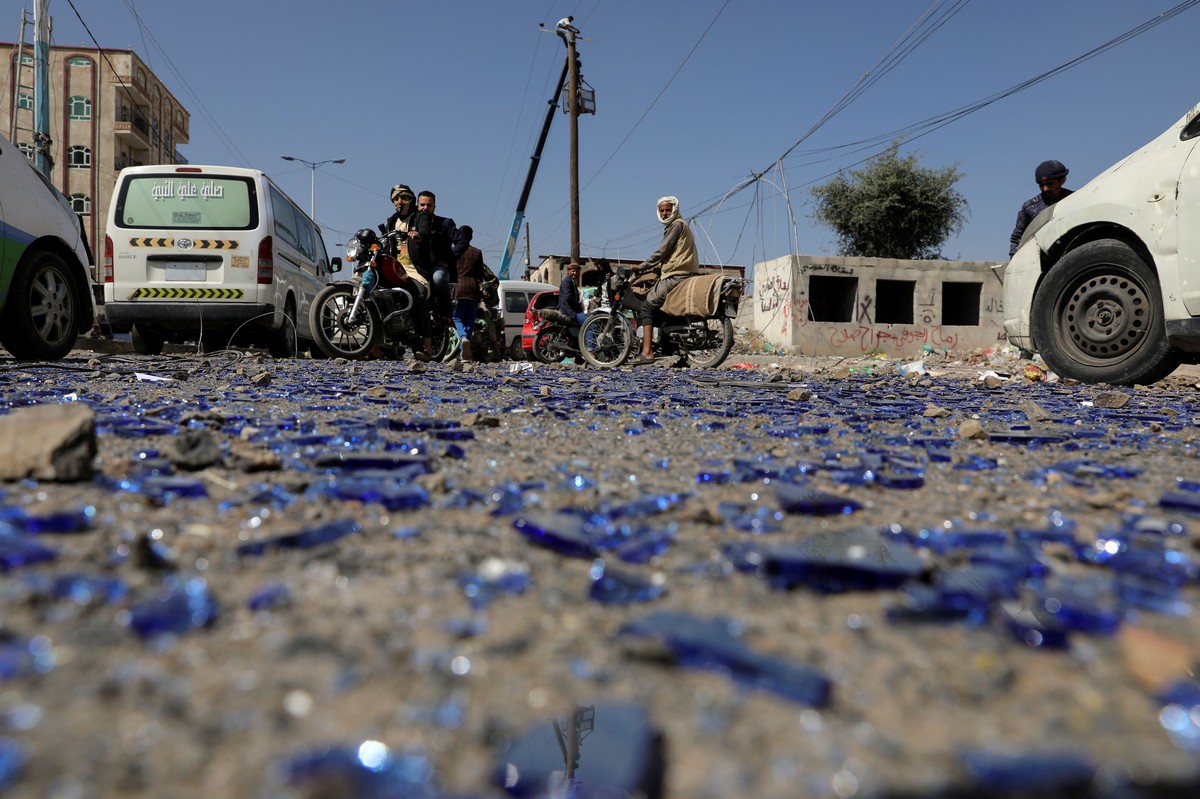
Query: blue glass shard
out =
(1180, 714)
(80, 520)
(401, 466)
(612, 587)
(1179, 501)
(565, 533)
(185, 604)
(1151, 595)
(1047, 773)
(273, 595)
(750, 518)
(803, 498)
(607, 749)
(917, 602)
(976, 585)
(713, 644)
(834, 562)
(1153, 560)
(976, 463)
(946, 540)
(1087, 604)
(510, 498)
(645, 506)
(25, 657)
(18, 550)
(305, 539)
(369, 770)
(81, 589)
(13, 758)
(392, 494)
(495, 578)
(1018, 560)
(1034, 627)
(165, 488)
(640, 544)
(892, 477)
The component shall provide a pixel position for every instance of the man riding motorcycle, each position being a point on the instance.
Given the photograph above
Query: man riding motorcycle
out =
(675, 259)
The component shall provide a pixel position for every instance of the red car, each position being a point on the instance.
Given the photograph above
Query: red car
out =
(543, 299)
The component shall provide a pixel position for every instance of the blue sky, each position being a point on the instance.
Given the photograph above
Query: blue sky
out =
(693, 97)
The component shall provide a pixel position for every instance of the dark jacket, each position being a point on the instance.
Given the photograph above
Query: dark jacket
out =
(568, 297)
(447, 243)
(470, 275)
(1029, 211)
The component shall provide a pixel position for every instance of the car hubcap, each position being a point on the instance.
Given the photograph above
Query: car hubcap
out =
(1106, 316)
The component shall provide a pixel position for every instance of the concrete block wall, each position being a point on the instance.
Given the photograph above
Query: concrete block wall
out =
(828, 305)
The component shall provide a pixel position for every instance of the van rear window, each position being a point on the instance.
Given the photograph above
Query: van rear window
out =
(171, 201)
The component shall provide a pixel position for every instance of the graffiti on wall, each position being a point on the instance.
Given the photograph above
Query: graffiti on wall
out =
(785, 315)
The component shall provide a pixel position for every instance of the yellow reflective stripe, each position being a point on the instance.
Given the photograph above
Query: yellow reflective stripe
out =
(148, 293)
(199, 244)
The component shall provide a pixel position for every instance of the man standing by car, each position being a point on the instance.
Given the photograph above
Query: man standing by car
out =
(1051, 177)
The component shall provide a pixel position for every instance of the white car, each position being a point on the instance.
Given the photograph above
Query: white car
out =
(46, 296)
(1106, 282)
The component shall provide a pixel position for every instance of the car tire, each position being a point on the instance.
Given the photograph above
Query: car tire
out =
(282, 342)
(1097, 317)
(146, 341)
(44, 309)
(516, 350)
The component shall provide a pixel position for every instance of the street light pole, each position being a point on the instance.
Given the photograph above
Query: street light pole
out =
(312, 199)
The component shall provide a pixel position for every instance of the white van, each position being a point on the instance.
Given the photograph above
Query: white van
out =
(514, 299)
(214, 254)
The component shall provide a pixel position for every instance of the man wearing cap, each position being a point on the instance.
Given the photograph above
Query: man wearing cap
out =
(1050, 177)
(408, 222)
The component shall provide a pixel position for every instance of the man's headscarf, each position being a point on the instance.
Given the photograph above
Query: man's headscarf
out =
(674, 201)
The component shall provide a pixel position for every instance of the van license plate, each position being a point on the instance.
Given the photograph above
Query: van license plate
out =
(186, 271)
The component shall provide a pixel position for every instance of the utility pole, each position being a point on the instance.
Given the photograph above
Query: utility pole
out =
(41, 86)
(573, 103)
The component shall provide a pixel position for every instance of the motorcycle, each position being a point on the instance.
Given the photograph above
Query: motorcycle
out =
(355, 318)
(702, 336)
(555, 336)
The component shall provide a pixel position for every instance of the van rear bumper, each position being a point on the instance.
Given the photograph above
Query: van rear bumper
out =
(184, 316)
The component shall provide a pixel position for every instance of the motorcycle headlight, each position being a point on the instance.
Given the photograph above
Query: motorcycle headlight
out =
(354, 248)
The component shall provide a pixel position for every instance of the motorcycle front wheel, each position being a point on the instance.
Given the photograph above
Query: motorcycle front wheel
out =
(708, 342)
(605, 340)
(335, 334)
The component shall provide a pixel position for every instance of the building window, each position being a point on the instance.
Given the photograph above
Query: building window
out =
(26, 148)
(26, 58)
(79, 61)
(81, 203)
(25, 100)
(79, 157)
(79, 108)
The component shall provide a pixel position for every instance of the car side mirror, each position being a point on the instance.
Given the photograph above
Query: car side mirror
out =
(335, 264)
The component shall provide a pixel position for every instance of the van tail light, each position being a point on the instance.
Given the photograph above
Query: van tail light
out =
(266, 261)
(108, 259)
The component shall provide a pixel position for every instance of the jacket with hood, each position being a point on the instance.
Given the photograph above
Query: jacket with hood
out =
(676, 253)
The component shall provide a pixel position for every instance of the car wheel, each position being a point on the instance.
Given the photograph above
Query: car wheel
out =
(1097, 317)
(146, 341)
(44, 304)
(516, 351)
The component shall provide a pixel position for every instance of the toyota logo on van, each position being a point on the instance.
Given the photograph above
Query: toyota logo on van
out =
(184, 244)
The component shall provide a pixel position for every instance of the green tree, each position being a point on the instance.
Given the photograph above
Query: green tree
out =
(892, 208)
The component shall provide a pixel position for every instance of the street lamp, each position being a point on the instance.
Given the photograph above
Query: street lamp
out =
(312, 200)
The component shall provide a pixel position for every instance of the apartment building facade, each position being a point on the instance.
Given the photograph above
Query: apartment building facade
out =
(107, 111)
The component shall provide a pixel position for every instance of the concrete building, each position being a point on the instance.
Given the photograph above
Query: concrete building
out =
(107, 111)
(826, 305)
